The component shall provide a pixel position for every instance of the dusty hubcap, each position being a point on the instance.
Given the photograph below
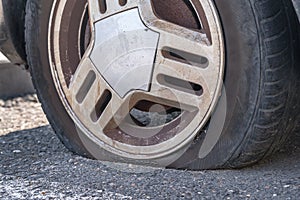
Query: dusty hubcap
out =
(140, 64)
(131, 46)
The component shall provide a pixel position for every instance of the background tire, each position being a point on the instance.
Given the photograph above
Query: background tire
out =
(260, 83)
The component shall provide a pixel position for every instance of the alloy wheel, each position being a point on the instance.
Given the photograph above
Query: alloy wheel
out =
(139, 76)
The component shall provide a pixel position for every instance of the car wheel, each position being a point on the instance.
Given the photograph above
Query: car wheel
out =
(192, 84)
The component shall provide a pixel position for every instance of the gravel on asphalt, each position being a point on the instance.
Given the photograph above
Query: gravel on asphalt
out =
(20, 113)
(35, 165)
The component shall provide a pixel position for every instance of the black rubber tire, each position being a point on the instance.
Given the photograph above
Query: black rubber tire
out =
(261, 82)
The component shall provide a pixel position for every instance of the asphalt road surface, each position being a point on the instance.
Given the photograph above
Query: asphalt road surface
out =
(35, 165)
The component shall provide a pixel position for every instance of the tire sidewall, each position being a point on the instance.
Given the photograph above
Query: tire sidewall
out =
(36, 34)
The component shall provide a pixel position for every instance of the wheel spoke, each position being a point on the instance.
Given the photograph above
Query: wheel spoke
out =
(177, 98)
(115, 113)
(174, 36)
(101, 9)
(188, 62)
(189, 85)
(84, 68)
(91, 96)
(204, 77)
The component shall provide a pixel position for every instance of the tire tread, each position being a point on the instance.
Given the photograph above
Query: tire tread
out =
(270, 127)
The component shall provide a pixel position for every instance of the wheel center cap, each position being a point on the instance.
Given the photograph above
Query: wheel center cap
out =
(124, 52)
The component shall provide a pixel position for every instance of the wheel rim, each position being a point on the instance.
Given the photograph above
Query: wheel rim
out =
(175, 71)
